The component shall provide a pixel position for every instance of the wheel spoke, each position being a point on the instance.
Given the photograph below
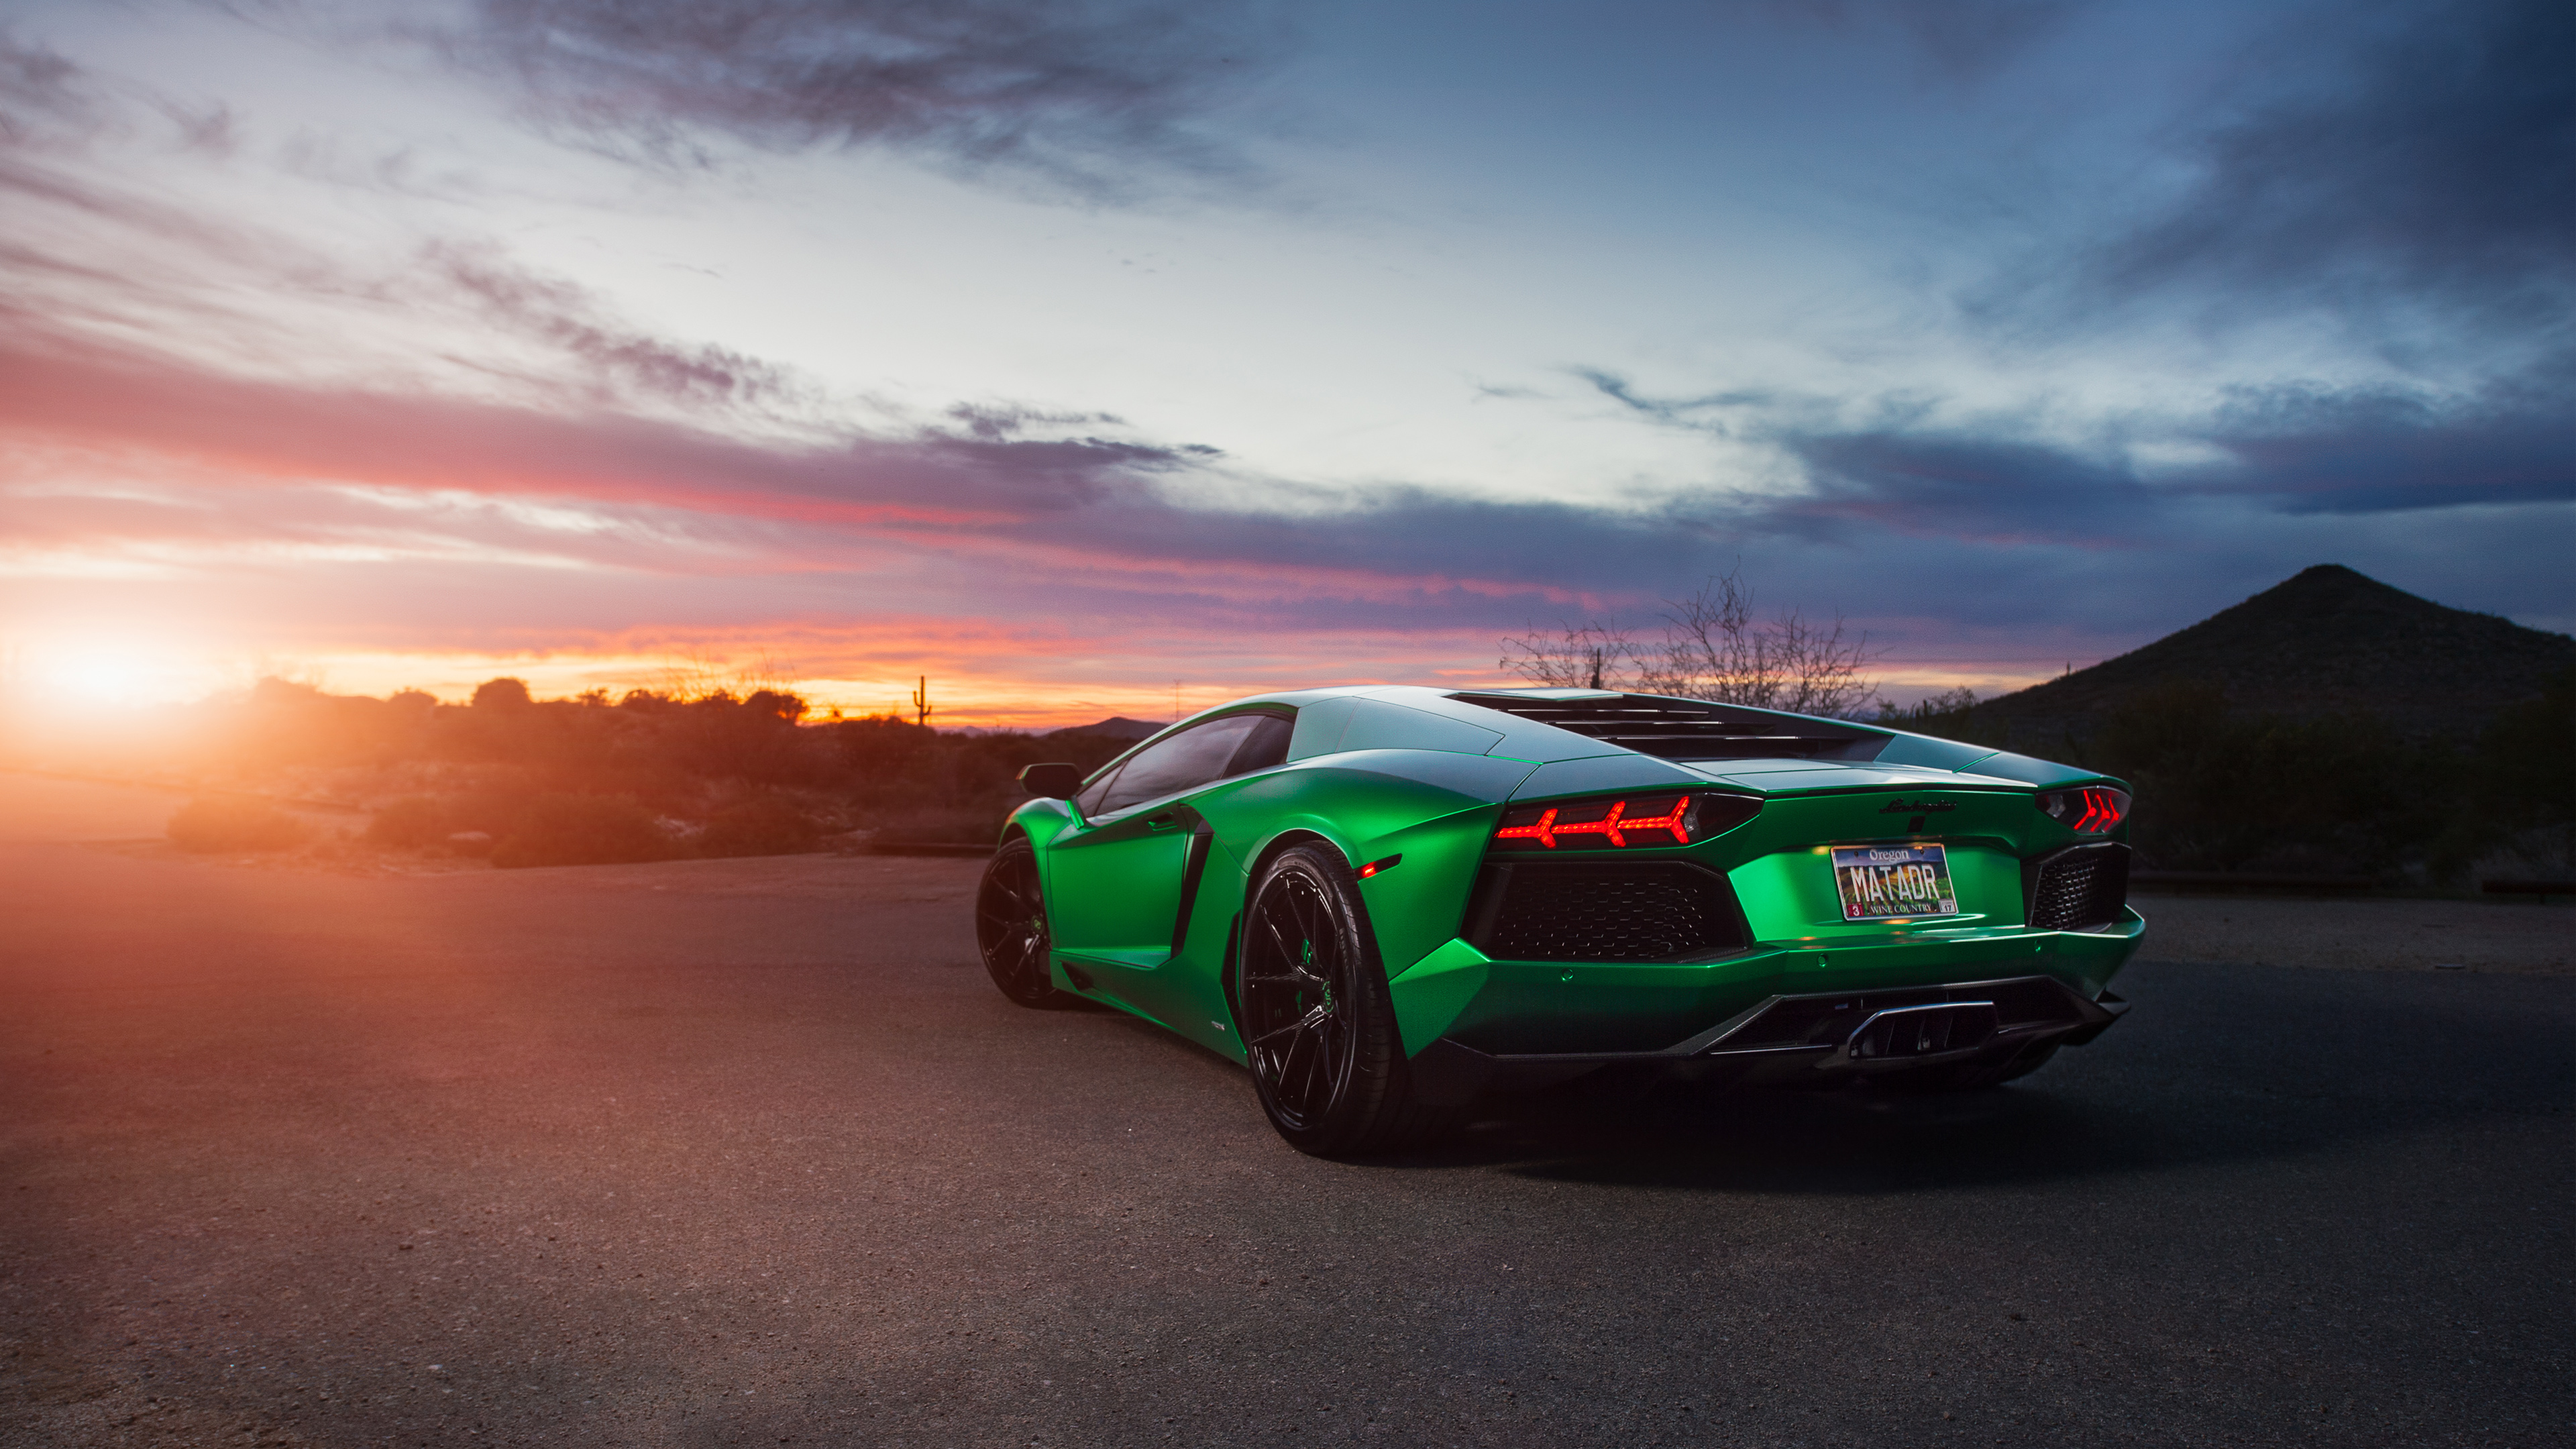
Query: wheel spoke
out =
(1305, 922)
(1288, 1059)
(1315, 1063)
(1286, 951)
(1314, 1015)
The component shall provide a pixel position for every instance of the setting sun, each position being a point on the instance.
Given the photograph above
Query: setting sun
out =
(67, 676)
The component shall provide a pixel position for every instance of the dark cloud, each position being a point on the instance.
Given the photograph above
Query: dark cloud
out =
(1961, 485)
(50, 103)
(2281, 450)
(1095, 95)
(45, 99)
(1965, 40)
(1903, 471)
(80, 391)
(994, 422)
(1704, 413)
(209, 128)
(2288, 449)
(1413, 540)
(2434, 158)
(615, 360)
(83, 249)
(2308, 450)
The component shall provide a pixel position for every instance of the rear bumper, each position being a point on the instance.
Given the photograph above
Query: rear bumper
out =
(1813, 1038)
(1498, 1023)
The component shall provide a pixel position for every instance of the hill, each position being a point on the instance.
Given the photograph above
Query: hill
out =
(1116, 727)
(2327, 641)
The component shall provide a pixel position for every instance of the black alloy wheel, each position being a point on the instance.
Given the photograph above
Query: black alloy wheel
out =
(1319, 1031)
(1011, 927)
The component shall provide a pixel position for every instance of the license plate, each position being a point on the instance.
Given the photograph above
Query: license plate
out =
(1894, 882)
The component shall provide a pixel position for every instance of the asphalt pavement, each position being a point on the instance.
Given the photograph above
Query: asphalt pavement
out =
(751, 1153)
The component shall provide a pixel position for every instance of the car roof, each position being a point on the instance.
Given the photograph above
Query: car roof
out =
(1767, 751)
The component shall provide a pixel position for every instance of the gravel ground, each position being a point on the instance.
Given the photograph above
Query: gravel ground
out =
(748, 1152)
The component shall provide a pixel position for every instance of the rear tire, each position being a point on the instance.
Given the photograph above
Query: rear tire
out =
(1319, 1028)
(1011, 929)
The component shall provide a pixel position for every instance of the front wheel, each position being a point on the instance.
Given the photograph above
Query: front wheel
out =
(1319, 1029)
(1011, 928)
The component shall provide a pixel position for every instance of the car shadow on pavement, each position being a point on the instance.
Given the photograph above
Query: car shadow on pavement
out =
(2215, 1063)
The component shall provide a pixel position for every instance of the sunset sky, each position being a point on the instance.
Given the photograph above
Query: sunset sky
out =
(1066, 352)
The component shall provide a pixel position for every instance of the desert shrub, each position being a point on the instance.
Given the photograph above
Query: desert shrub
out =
(502, 694)
(281, 725)
(766, 826)
(2517, 802)
(1948, 715)
(212, 823)
(582, 830)
(2220, 790)
(479, 768)
(495, 804)
(415, 822)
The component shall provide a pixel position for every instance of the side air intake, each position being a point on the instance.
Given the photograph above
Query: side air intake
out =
(2080, 888)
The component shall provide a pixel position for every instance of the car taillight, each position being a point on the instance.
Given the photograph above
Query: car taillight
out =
(2093, 810)
(1626, 822)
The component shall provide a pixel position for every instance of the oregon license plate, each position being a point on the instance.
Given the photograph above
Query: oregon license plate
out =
(1894, 882)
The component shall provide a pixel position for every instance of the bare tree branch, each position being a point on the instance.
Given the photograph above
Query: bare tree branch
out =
(1578, 656)
(1713, 647)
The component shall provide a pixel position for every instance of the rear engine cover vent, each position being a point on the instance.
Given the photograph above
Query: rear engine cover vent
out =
(1645, 911)
(2080, 888)
(1688, 729)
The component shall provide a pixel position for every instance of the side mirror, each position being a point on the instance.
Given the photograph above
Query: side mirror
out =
(1052, 782)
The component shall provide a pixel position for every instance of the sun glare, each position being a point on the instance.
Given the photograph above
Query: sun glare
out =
(83, 677)
(105, 678)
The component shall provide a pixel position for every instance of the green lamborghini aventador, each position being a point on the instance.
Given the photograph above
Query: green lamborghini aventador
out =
(1387, 901)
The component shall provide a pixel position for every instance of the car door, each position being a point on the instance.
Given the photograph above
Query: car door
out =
(1118, 882)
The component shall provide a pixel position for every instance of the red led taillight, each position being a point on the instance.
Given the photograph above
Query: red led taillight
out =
(1622, 823)
(2092, 810)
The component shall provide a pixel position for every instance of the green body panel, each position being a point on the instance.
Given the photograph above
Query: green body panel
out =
(1121, 891)
(1429, 997)
(1383, 772)
(1788, 894)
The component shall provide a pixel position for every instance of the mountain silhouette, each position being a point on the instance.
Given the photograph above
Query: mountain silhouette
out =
(1117, 726)
(2327, 640)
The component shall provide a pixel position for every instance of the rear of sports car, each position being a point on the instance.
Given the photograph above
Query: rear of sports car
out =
(1786, 908)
